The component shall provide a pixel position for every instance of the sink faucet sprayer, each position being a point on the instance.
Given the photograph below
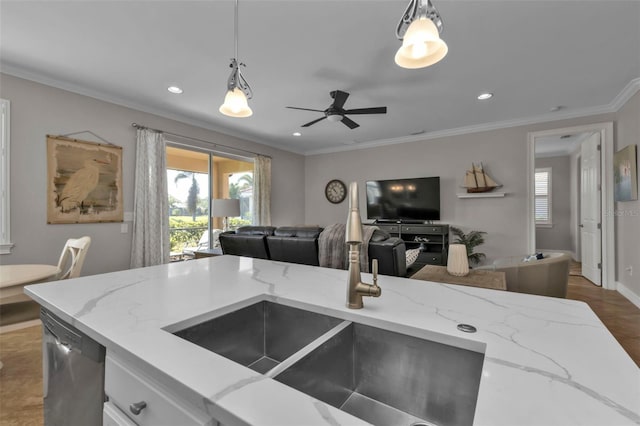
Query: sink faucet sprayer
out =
(353, 237)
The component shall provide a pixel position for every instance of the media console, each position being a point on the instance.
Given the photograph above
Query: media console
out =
(433, 240)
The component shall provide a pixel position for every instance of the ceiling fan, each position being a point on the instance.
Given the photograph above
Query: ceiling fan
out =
(336, 112)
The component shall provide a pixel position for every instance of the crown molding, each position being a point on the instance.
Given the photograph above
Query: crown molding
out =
(619, 101)
(36, 77)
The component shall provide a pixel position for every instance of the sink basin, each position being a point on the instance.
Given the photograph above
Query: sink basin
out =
(389, 378)
(261, 335)
(380, 376)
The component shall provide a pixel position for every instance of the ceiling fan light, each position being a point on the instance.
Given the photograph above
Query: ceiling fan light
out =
(421, 45)
(235, 104)
(334, 117)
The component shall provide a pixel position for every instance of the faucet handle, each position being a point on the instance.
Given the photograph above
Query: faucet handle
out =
(374, 267)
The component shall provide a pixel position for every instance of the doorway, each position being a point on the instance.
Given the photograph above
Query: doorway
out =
(195, 177)
(557, 200)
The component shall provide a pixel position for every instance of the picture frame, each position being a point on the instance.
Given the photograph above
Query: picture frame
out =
(625, 174)
(84, 181)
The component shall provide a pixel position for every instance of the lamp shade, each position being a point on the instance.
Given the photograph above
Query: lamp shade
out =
(235, 104)
(224, 207)
(458, 263)
(421, 45)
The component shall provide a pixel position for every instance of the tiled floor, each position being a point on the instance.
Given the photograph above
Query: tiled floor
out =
(20, 351)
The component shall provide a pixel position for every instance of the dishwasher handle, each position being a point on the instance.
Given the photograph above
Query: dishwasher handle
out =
(71, 338)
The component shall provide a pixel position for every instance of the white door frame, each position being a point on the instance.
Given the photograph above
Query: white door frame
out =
(608, 241)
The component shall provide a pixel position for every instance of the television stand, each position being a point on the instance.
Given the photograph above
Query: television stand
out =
(432, 240)
(404, 221)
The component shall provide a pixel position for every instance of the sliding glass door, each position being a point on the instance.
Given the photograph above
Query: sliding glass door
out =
(194, 178)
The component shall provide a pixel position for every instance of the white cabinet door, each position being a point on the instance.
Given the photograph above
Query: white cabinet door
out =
(146, 402)
(590, 221)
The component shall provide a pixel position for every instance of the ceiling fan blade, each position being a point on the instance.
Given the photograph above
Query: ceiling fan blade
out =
(375, 110)
(305, 109)
(313, 122)
(339, 97)
(350, 123)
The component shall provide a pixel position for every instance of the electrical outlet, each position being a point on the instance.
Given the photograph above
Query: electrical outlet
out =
(629, 269)
(124, 228)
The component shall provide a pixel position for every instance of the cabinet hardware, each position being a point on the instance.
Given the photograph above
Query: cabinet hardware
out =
(137, 407)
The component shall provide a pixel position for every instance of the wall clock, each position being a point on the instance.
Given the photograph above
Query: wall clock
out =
(335, 191)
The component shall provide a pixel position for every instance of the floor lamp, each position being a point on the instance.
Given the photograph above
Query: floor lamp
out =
(225, 208)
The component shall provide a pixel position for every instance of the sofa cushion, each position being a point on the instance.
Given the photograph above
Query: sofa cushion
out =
(298, 231)
(391, 256)
(255, 230)
(379, 235)
(248, 244)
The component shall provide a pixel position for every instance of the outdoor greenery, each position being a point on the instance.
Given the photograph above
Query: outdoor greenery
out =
(194, 189)
(245, 181)
(186, 232)
(471, 240)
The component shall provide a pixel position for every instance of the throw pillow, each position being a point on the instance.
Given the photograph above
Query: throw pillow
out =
(412, 256)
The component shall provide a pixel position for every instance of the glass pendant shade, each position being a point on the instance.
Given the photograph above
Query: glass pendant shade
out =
(235, 104)
(421, 45)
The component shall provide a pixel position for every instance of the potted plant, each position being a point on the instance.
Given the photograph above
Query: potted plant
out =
(471, 240)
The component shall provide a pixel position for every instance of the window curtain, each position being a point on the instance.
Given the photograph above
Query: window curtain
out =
(150, 221)
(262, 191)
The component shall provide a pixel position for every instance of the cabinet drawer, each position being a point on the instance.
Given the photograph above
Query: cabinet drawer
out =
(424, 229)
(126, 387)
(112, 416)
(391, 229)
(430, 258)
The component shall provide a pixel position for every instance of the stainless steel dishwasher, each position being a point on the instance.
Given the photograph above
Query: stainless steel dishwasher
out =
(73, 373)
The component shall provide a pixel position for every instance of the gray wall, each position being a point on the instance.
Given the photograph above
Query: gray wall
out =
(38, 110)
(503, 152)
(557, 237)
(627, 220)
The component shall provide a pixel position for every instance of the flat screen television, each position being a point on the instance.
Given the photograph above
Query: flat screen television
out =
(408, 200)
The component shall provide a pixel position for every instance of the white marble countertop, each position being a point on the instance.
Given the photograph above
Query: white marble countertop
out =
(547, 361)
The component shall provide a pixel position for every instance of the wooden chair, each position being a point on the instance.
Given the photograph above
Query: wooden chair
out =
(72, 257)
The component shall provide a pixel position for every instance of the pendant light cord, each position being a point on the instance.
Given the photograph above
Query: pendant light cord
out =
(235, 32)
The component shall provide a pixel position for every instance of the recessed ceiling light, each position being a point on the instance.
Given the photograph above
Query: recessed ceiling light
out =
(297, 134)
(174, 89)
(485, 96)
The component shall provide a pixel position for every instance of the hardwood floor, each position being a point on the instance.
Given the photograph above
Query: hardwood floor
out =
(20, 351)
(618, 314)
(21, 377)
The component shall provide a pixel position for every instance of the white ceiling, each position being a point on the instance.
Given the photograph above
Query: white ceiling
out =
(533, 55)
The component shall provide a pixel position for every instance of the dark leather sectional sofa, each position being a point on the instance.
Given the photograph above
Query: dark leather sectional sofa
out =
(299, 244)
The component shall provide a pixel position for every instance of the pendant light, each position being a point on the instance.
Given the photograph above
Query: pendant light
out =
(238, 90)
(419, 29)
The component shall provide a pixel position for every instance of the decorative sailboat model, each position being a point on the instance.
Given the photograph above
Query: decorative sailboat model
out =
(477, 180)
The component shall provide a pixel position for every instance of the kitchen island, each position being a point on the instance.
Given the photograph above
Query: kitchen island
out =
(546, 361)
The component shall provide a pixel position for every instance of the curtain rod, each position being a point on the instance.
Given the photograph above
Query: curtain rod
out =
(215, 144)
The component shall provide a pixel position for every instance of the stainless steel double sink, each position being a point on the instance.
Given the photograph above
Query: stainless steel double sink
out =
(380, 376)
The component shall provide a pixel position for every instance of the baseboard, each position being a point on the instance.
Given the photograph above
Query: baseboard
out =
(19, 326)
(626, 292)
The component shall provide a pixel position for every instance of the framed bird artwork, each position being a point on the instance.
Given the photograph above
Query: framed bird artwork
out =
(84, 181)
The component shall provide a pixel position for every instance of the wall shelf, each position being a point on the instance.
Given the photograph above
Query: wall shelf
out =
(482, 195)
